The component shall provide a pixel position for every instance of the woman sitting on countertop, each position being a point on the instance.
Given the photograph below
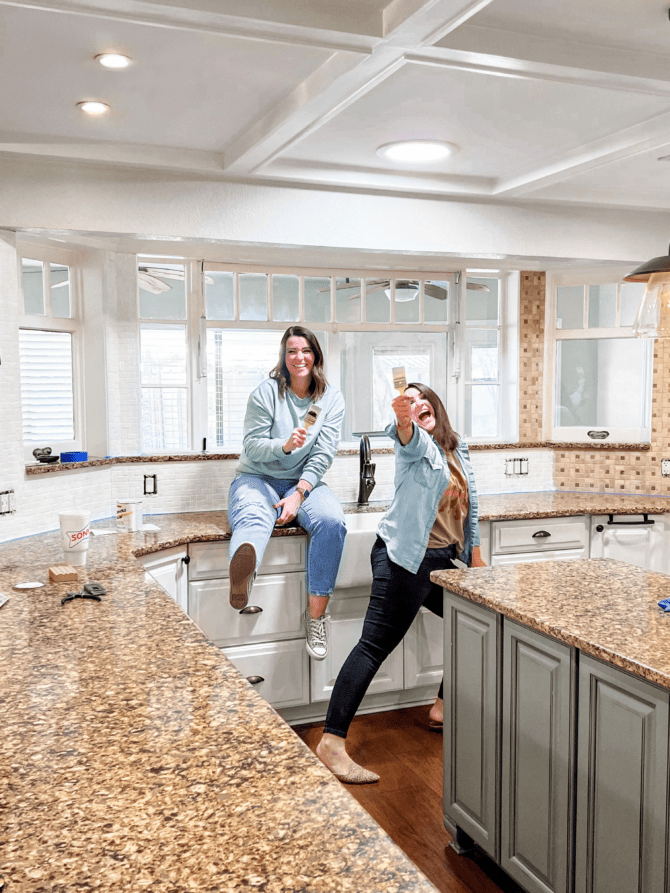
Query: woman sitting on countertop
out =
(291, 434)
(433, 519)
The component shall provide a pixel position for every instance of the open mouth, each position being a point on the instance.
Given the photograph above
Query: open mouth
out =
(424, 414)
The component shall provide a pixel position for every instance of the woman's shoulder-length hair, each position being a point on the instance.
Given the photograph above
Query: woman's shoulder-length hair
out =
(281, 374)
(443, 433)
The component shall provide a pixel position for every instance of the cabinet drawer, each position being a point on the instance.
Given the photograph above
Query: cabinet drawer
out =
(279, 671)
(283, 554)
(536, 536)
(280, 597)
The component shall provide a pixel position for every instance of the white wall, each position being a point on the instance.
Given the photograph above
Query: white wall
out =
(51, 195)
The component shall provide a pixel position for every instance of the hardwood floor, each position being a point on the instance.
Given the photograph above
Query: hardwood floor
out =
(407, 801)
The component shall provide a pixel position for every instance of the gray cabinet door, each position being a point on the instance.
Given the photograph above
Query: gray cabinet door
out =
(538, 707)
(622, 782)
(471, 751)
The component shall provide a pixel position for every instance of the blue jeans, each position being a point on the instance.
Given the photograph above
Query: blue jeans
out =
(397, 594)
(252, 517)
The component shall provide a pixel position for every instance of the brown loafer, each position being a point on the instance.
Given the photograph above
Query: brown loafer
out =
(242, 575)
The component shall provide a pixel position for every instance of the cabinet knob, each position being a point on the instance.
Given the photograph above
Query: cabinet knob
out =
(255, 680)
(251, 609)
(541, 534)
(186, 559)
(600, 528)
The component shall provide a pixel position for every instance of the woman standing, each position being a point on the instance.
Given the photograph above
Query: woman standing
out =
(433, 519)
(279, 477)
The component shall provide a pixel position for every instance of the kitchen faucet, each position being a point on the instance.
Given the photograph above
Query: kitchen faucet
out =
(367, 471)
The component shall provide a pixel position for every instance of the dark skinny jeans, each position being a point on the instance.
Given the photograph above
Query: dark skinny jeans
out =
(395, 600)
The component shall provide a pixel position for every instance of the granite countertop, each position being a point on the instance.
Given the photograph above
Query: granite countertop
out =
(180, 529)
(135, 757)
(606, 608)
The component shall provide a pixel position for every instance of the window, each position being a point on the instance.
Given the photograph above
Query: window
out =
(599, 386)
(164, 356)
(207, 344)
(49, 354)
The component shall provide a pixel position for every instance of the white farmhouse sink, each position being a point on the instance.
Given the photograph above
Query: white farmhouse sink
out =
(361, 534)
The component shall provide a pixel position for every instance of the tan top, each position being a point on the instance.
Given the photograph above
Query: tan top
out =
(452, 510)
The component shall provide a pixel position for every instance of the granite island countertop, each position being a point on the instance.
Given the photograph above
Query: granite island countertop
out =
(605, 608)
(135, 757)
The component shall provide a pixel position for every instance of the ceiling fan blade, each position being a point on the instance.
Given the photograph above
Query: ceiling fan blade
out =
(150, 283)
(477, 286)
(435, 291)
(163, 273)
(370, 288)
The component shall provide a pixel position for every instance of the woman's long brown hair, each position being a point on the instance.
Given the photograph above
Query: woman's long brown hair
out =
(443, 433)
(282, 376)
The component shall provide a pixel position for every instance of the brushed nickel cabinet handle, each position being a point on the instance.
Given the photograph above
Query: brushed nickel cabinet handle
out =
(251, 609)
(541, 534)
(255, 680)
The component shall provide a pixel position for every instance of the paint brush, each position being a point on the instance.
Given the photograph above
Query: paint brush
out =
(399, 379)
(311, 415)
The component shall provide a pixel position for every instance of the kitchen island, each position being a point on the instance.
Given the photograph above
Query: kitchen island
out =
(557, 694)
(135, 757)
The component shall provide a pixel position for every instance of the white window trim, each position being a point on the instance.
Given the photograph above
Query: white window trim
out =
(594, 276)
(49, 323)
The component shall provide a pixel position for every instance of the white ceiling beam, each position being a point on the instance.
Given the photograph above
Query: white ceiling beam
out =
(651, 134)
(162, 158)
(137, 12)
(572, 53)
(504, 66)
(424, 22)
(317, 100)
(407, 182)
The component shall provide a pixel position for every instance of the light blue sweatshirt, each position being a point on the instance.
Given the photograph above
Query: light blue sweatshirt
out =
(268, 424)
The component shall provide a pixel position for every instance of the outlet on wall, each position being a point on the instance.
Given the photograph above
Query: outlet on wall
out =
(7, 502)
(665, 468)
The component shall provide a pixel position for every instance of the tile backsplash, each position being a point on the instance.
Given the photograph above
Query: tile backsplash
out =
(203, 486)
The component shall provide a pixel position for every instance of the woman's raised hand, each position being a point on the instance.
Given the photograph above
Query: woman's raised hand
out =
(297, 439)
(402, 407)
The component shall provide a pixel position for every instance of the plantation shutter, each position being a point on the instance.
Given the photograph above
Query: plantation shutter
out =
(47, 398)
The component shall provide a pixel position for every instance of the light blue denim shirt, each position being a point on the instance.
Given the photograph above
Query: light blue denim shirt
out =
(421, 477)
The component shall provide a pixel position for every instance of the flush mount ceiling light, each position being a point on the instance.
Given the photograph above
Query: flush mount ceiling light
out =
(93, 107)
(416, 151)
(113, 60)
(653, 315)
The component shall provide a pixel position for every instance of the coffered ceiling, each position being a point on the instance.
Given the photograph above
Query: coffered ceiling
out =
(564, 101)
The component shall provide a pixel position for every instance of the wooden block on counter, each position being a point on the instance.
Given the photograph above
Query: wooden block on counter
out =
(63, 573)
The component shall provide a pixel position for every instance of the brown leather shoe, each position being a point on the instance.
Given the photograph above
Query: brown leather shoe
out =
(242, 575)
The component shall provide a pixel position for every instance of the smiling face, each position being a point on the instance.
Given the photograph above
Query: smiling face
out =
(422, 411)
(299, 358)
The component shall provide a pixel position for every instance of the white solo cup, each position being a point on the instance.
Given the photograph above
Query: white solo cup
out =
(75, 528)
(129, 514)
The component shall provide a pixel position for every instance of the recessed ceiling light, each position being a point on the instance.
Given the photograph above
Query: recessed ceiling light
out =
(92, 107)
(416, 151)
(113, 60)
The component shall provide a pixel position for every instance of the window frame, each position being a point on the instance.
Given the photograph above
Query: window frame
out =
(49, 323)
(198, 324)
(612, 275)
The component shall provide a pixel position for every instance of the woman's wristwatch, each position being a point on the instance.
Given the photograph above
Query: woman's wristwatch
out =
(303, 491)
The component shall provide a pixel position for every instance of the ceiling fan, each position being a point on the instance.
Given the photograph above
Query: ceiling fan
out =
(405, 289)
(151, 279)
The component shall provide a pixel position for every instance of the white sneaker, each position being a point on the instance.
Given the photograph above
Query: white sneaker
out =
(316, 641)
